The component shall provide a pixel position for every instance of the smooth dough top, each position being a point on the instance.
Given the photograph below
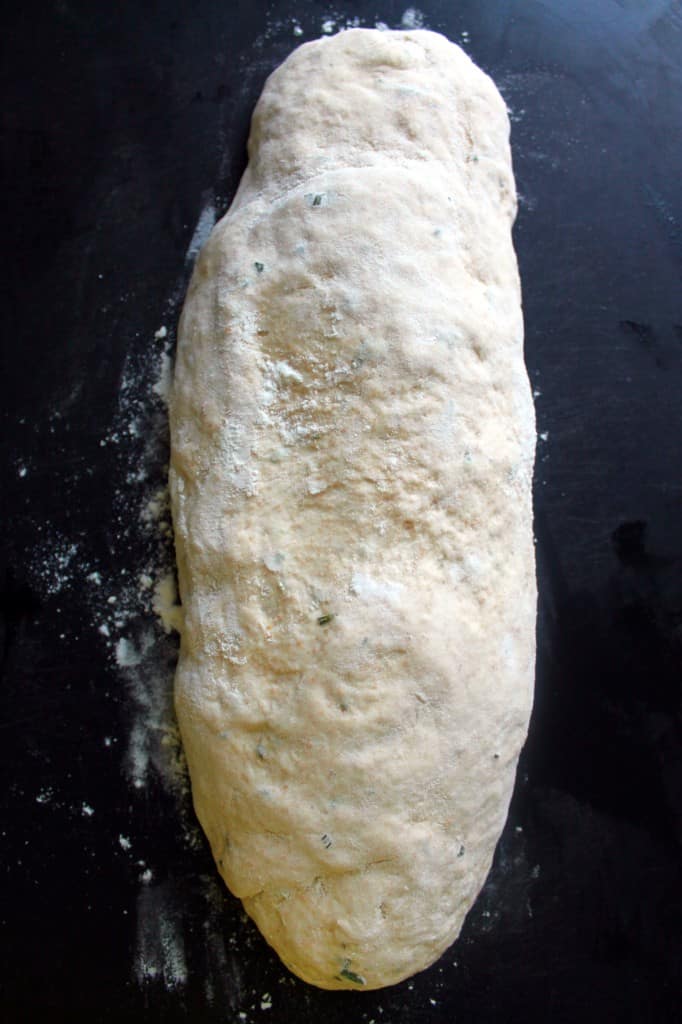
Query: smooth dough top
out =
(352, 448)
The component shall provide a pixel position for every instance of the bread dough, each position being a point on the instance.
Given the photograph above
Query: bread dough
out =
(352, 449)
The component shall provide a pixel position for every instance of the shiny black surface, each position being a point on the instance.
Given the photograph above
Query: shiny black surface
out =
(119, 120)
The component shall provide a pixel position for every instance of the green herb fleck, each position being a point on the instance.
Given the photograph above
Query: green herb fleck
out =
(324, 620)
(317, 200)
(461, 852)
(326, 841)
(349, 975)
(260, 267)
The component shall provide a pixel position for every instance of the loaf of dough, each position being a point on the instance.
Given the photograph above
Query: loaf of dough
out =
(352, 448)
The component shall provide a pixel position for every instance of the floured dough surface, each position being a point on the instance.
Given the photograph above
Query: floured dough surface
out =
(352, 450)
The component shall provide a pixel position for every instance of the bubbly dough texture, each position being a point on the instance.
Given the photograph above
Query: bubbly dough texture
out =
(352, 448)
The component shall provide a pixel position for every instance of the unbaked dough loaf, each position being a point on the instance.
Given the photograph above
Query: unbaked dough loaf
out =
(352, 450)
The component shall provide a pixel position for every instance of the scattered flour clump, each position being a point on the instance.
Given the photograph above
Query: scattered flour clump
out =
(412, 18)
(165, 603)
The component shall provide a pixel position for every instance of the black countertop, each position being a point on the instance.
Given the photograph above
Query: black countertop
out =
(124, 135)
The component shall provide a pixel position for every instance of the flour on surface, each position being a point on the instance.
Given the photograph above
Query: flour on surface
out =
(160, 945)
(204, 226)
(55, 563)
(119, 594)
(166, 603)
(412, 18)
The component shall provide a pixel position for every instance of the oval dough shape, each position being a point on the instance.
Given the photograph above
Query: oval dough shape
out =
(352, 450)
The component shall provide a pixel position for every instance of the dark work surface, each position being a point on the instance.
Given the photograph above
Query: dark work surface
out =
(121, 123)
